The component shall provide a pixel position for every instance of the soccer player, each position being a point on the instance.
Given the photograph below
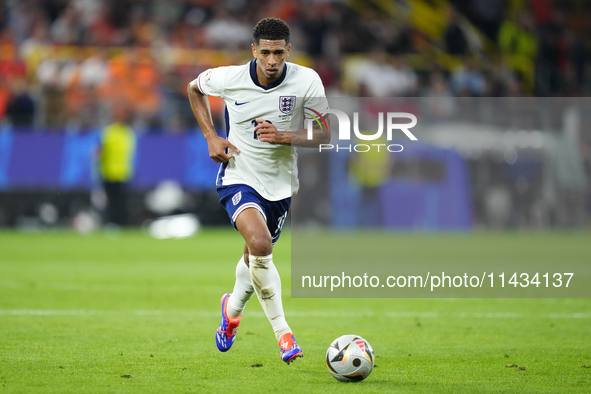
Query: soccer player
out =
(258, 172)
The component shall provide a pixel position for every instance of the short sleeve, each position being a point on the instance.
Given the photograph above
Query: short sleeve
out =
(316, 97)
(211, 82)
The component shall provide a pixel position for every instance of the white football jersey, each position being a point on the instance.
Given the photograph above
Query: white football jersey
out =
(269, 169)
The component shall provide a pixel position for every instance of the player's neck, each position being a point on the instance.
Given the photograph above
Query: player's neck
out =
(264, 81)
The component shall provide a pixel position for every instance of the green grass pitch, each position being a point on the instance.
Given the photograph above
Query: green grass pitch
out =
(109, 314)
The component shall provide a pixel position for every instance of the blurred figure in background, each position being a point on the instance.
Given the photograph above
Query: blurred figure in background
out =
(53, 108)
(116, 162)
(441, 105)
(371, 170)
(468, 80)
(385, 76)
(456, 40)
(20, 108)
(518, 46)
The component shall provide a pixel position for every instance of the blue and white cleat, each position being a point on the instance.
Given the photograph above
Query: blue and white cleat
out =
(290, 350)
(226, 332)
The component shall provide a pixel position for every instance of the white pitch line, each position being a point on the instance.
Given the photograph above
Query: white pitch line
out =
(315, 314)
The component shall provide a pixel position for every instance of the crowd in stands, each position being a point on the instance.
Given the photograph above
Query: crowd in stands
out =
(62, 62)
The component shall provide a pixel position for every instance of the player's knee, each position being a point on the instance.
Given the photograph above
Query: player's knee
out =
(260, 245)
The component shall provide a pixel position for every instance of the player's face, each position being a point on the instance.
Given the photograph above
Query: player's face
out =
(271, 56)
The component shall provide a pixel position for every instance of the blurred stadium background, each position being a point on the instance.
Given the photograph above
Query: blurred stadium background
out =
(525, 161)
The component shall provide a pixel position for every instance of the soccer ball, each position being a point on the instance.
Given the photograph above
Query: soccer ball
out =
(350, 358)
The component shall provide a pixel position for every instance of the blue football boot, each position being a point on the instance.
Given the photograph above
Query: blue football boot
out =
(290, 350)
(226, 332)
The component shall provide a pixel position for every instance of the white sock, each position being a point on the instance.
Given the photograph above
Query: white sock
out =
(267, 284)
(243, 290)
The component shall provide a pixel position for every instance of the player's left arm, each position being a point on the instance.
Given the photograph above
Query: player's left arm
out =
(267, 132)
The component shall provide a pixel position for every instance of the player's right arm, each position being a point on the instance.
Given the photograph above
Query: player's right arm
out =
(219, 148)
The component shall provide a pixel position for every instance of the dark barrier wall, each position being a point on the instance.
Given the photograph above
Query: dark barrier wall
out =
(427, 188)
(67, 160)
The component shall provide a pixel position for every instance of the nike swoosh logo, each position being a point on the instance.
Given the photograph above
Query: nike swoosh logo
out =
(237, 103)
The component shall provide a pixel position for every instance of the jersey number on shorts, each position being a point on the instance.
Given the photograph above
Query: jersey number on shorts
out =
(280, 223)
(255, 124)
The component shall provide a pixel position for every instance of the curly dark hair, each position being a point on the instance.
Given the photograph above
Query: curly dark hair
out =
(270, 29)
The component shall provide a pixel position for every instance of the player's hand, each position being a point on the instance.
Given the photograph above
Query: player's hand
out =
(217, 147)
(267, 132)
